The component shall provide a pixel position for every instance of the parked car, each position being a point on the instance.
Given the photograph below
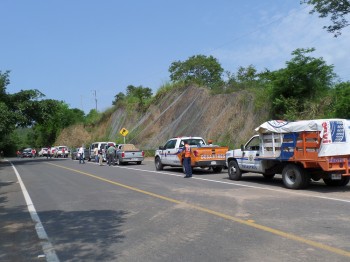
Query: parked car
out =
(62, 151)
(74, 153)
(27, 152)
(43, 151)
(129, 153)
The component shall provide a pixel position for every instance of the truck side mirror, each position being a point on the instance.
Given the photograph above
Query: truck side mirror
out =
(242, 147)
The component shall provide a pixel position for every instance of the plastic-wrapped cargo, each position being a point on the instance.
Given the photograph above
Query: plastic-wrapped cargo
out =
(334, 134)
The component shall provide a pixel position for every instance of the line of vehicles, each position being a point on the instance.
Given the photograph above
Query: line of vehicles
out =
(56, 151)
(300, 151)
(123, 153)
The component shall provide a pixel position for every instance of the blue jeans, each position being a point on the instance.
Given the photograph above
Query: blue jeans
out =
(81, 159)
(188, 168)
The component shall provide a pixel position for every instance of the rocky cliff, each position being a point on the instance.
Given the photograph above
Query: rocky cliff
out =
(192, 111)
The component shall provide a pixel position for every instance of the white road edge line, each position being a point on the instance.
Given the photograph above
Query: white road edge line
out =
(289, 191)
(45, 242)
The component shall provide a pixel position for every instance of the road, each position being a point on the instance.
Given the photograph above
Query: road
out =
(134, 213)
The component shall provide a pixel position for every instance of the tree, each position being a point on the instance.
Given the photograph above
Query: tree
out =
(199, 69)
(336, 9)
(142, 94)
(342, 100)
(20, 109)
(305, 79)
(118, 98)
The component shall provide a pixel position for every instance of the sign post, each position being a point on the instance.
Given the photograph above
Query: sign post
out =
(124, 132)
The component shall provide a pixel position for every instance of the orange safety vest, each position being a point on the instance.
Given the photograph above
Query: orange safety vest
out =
(187, 150)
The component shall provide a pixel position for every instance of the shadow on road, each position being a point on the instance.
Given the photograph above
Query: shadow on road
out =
(18, 239)
(75, 235)
(84, 235)
(315, 186)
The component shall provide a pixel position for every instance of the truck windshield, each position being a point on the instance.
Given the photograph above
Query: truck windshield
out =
(193, 142)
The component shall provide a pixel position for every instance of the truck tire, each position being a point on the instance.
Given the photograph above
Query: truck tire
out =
(234, 172)
(295, 177)
(217, 169)
(158, 164)
(343, 182)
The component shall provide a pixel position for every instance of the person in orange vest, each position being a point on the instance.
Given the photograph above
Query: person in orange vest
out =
(187, 160)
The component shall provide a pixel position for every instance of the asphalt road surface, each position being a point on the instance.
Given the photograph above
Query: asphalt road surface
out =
(87, 212)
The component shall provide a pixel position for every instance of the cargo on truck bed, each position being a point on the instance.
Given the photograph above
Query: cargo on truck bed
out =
(300, 151)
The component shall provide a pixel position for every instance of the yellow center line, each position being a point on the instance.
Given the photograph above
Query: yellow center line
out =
(249, 223)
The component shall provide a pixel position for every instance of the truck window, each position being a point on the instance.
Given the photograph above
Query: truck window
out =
(253, 144)
(170, 144)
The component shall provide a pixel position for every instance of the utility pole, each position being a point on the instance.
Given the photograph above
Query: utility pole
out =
(95, 100)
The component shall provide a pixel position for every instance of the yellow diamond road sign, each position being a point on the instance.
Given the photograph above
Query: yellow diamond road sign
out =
(124, 131)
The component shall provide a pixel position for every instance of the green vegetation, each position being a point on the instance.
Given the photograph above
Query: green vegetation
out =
(336, 9)
(305, 88)
(199, 69)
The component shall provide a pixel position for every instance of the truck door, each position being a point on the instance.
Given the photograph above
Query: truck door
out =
(168, 152)
(250, 155)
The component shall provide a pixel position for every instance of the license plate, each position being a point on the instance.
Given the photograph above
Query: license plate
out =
(134, 159)
(336, 176)
(213, 162)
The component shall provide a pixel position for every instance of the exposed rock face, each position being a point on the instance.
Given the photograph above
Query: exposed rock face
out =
(227, 119)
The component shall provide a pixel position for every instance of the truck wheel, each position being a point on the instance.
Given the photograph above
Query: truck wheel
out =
(217, 169)
(343, 182)
(234, 172)
(295, 177)
(158, 164)
(138, 162)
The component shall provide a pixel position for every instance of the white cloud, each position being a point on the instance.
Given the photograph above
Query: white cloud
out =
(271, 45)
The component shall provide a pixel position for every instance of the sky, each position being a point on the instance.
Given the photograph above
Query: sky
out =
(80, 51)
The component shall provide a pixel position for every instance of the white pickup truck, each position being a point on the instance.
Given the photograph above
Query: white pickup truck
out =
(202, 155)
(300, 151)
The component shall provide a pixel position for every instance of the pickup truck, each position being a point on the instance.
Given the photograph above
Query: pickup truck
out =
(126, 153)
(202, 155)
(300, 151)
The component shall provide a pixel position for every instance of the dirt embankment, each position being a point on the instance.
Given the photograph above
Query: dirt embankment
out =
(224, 118)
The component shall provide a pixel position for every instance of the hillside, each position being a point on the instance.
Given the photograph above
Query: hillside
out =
(225, 118)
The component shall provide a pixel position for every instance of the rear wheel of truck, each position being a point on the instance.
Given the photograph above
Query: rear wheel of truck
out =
(342, 182)
(234, 172)
(217, 169)
(158, 164)
(295, 177)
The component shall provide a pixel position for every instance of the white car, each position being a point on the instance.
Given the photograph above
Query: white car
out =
(62, 151)
(43, 151)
